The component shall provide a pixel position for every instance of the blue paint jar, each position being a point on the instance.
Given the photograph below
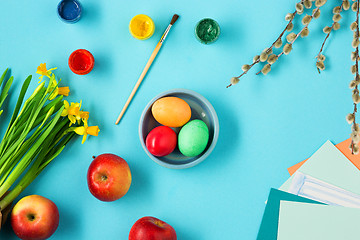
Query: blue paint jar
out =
(69, 10)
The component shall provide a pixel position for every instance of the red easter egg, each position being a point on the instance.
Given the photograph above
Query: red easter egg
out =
(161, 141)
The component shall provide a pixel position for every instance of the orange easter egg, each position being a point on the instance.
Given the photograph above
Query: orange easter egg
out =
(171, 111)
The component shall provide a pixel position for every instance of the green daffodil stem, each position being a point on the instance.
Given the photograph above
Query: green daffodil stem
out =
(26, 160)
(6, 88)
(3, 76)
(15, 158)
(56, 151)
(56, 104)
(38, 131)
(10, 149)
(16, 110)
(36, 103)
(48, 154)
(10, 197)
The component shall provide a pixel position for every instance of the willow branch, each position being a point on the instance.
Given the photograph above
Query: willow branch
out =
(296, 37)
(332, 26)
(328, 34)
(272, 45)
(357, 69)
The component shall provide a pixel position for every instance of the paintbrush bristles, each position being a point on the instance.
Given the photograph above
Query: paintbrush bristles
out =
(174, 19)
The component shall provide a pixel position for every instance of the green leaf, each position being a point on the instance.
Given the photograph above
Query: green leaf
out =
(16, 110)
(3, 76)
(20, 98)
(29, 156)
(7, 147)
(56, 150)
(5, 90)
(56, 103)
(13, 156)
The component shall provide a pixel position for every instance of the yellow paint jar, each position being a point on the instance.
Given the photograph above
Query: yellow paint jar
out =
(141, 27)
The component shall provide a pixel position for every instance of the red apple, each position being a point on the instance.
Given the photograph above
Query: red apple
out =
(34, 218)
(150, 228)
(109, 177)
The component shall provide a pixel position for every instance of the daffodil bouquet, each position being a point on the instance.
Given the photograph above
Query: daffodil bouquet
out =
(38, 131)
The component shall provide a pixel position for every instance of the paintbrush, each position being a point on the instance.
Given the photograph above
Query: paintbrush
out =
(147, 66)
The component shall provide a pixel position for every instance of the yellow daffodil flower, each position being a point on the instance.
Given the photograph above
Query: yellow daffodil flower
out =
(71, 110)
(83, 115)
(43, 71)
(58, 90)
(86, 130)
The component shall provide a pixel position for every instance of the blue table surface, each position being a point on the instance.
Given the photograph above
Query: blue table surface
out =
(267, 123)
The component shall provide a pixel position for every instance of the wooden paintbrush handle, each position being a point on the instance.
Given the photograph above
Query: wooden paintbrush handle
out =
(147, 66)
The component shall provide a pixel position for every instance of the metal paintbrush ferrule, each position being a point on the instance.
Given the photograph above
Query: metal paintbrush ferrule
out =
(173, 20)
(162, 39)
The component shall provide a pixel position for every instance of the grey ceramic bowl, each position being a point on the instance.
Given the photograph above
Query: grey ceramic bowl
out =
(200, 109)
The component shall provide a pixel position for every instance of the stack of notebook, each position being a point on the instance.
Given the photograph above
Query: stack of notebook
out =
(321, 199)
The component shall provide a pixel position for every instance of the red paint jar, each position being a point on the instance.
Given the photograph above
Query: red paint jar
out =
(81, 61)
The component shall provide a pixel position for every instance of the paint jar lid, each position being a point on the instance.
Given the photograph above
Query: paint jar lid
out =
(81, 62)
(69, 11)
(207, 31)
(141, 27)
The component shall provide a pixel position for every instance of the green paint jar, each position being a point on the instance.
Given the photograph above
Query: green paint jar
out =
(207, 31)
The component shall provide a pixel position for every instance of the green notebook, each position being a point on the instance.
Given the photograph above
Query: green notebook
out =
(270, 221)
(299, 221)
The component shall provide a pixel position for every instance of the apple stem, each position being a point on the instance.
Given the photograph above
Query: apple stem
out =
(31, 217)
(93, 157)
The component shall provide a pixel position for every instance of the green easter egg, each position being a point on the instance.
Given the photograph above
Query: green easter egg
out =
(193, 138)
